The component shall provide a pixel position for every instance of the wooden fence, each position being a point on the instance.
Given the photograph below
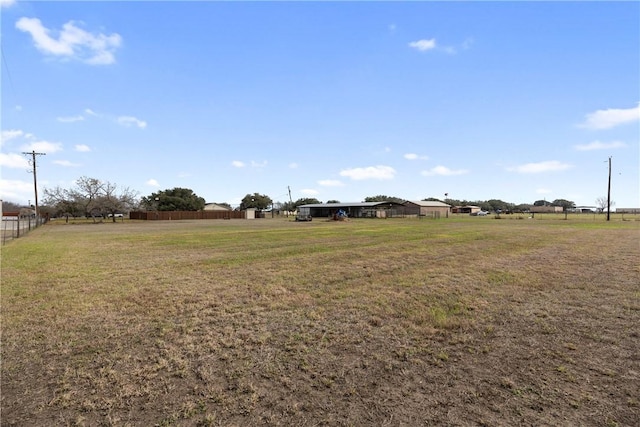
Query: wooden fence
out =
(177, 215)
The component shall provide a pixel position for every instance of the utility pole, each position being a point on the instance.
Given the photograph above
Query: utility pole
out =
(609, 191)
(33, 155)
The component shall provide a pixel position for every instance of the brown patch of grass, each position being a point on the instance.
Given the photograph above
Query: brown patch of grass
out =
(279, 323)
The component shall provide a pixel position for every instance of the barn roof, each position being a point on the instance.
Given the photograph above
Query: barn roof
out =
(430, 203)
(345, 205)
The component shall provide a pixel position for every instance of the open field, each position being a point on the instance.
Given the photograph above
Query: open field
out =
(463, 321)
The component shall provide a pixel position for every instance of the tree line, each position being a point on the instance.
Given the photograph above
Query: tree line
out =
(95, 198)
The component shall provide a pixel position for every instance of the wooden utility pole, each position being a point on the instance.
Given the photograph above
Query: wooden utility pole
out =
(609, 192)
(33, 155)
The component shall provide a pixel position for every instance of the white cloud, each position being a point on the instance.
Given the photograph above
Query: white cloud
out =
(14, 161)
(606, 119)
(423, 45)
(91, 112)
(83, 148)
(70, 119)
(413, 156)
(309, 192)
(7, 3)
(129, 121)
(597, 145)
(16, 190)
(43, 147)
(72, 42)
(258, 164)
(65, 163)
(237, 164)
(540, 167)
(8, 135)
(152, 183)
(467, 43)
(443, 171)
(330, 183)
(371, 172)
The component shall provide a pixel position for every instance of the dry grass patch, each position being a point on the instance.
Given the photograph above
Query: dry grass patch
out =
(396, 322)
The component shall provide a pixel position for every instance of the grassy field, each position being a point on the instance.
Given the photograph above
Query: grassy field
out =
(463, 321)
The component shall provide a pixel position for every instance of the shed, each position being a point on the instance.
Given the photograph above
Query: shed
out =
(215, 207)
(353, 210)
(469, 209)
(435, 209)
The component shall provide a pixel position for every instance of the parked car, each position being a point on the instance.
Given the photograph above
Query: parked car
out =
(118, 215)
(482, 213)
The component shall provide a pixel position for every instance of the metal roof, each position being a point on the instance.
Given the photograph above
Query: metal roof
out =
(345, 205)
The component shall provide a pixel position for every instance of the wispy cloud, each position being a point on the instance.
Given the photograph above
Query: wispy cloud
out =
(423, 45)
(7, 3)
(293, 165)
(597, 145)
(152, 183)
(612, 117)
(65, 163)
(540, 167)
(237, 164)
(8, 135)
(443, 171)
(330, 183)
(15, 190)
(371, 172)
(129, 121)
(83, 148)
(13, 161)
(72, 42)
(70, 119)
(43, 146)
(413, 156)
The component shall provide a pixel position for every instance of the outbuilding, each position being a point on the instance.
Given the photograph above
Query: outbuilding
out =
(430, 208)
(353, 210)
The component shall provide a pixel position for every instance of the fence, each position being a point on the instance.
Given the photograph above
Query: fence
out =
(15, 226)
(177, 215)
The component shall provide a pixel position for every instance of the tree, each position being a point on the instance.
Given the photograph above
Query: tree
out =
(114, 202)
(601, 203)
(256, 201)
(305, 201)
(90, 197)
(566, 204)
(381, 198)
(175, 199)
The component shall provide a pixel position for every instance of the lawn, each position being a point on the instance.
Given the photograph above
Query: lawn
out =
(460, 321)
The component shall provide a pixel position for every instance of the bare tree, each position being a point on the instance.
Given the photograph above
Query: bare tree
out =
(91, 197)
(601, 203)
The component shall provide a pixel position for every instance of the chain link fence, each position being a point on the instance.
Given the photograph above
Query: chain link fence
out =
(13, 227)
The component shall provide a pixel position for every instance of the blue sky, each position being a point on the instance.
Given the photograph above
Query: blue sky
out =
(519, 101)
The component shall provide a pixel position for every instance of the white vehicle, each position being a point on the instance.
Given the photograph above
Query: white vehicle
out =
(118, 215)
(482, 213)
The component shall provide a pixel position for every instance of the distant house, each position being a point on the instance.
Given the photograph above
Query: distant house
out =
(585, 209)
(546, 209)
(433, 209)
(469, 209)
(215, 207)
